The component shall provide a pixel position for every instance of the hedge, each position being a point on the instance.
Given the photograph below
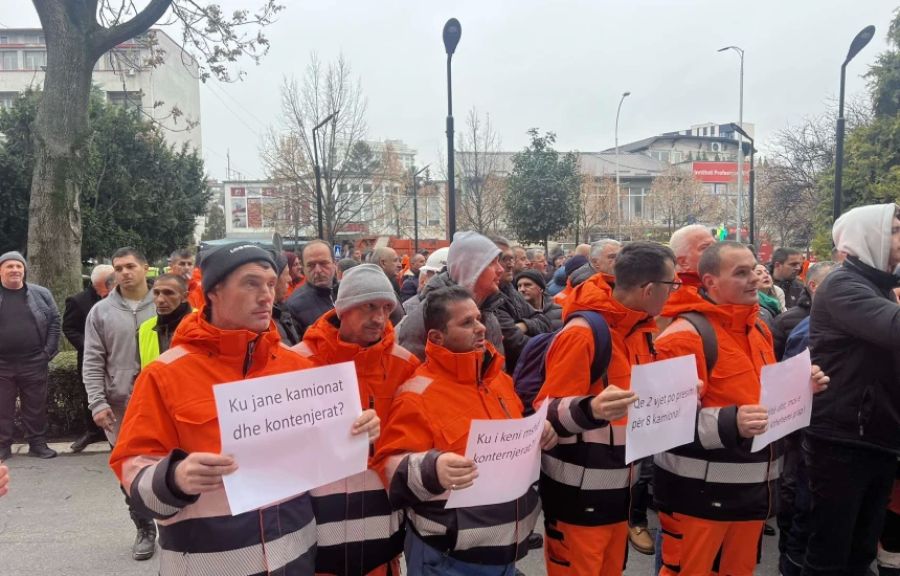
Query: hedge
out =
(66, 399)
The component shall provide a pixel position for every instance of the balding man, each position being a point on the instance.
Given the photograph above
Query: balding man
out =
(316, 297)
(688, 244)
(73, 321)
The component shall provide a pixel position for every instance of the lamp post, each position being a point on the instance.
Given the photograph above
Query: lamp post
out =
(740, 156)
(751, 194)
(415, 191)
(859, 42)
(452, 33)
(618, 190)
(318, 171)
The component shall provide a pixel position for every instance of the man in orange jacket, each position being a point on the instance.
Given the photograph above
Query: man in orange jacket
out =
(714, 494)
(358, 330)
(168, 451)
(422, 450)
(585, 482)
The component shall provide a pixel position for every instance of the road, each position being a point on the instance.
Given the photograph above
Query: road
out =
(67, 517)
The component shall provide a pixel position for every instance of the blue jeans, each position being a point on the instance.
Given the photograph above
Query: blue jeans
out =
(423, 560)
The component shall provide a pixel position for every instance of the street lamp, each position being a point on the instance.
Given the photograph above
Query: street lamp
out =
(740, 158)
(318, 172)
(415, 190)
(452, 33)
(859, 42)
(618, 191)
(752, 232)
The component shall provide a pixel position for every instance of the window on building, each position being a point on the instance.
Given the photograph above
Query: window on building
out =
(704, 131)
(9, 60)
(4, 39)
(34, 59)
(636, 204)
(128, 99)
(7, 99)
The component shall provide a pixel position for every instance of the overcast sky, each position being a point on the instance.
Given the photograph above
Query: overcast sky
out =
(558, 65)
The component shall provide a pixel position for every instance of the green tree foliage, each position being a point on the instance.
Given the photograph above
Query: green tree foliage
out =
(543, 190)
(136, 189)
(215, 223)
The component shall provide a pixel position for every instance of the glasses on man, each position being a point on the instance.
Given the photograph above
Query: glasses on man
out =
(672, 284)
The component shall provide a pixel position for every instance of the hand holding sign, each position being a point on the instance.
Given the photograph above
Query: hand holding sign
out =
(612, 404)
(455, 472)
(786, 392)
(202, 472)
(752, 420)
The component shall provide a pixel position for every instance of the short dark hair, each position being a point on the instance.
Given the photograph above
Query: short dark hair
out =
(175, 278)
(641, 262)
(346, 263)
(500, 241)
(129, 251)
(780, 255)
(180, 253)
(313, 243)
(711, 259)
(435, 312)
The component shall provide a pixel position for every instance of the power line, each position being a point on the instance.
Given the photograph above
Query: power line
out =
(236, 115)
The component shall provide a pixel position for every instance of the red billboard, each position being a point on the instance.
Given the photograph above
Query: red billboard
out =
(719, 172)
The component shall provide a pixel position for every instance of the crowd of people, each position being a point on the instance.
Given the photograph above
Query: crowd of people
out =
(444, 338)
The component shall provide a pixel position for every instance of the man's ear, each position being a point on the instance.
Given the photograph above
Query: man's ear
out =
(435, 337)
(708, 281)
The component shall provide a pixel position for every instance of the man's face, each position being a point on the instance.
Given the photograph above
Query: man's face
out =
(357, 255)
(520, 261)
(790, 268)
(130, 273)
(243, 301)
(606, 261)
(416, 262)
(488, 282)
(531, 292)
(12, 274)
(424, 277)
(894, 259)
(283, 284)
(390, 263)
(184, 267)
(737, 282)
(507, 259)
(540, 263)
(364, 325)
(464, 332)
(167, 295)
(697, 243)
(318, 265)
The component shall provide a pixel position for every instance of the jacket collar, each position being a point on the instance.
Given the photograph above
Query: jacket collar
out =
(325, 340)
(230, 346)
(119, 301)
(467, 368)
(883, 280)
(597, 295)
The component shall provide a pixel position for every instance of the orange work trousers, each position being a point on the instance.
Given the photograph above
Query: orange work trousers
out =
(571, 550)
(692, 544)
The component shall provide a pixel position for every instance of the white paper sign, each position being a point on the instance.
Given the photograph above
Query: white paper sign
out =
(508, 456)
(787, 393)
(665, 413)
(289, 433)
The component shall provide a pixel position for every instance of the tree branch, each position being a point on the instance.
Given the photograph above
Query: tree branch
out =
(109, 38)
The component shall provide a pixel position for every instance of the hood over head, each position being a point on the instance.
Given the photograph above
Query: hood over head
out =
(470, 253)
(865, 232)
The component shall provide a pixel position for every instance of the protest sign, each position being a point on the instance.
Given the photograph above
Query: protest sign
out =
(508, 456)
(787, 394)
(665, 414)
(289, 433)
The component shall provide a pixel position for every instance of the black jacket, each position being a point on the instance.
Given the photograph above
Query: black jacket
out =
(285, 324)
(553, 312)
(854, 335)
(785, 322)
(514, 308)
(75, 317)
(793, 289)
(308, 303)
(410, 287)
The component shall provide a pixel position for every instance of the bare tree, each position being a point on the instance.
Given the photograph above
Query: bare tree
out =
(78, 33)
(348, 164)
(678, 199)
(785, 208)
(483, 188)
(596, 206)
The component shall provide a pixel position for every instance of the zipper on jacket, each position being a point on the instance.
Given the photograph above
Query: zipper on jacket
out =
(248, 359)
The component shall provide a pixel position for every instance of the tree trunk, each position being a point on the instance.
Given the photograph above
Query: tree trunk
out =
(62, 138)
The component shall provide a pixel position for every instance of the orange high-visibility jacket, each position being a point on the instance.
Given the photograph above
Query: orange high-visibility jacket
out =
(432, 413)
(172, 412)
(597, 492)
(717, 477)
(340, 506)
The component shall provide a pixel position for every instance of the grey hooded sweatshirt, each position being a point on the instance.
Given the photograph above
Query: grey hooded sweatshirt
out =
(111, 361)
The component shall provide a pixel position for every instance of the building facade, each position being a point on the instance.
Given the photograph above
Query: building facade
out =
(167, 92)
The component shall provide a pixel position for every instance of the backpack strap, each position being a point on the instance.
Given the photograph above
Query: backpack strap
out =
(707, 334)
(602, 341)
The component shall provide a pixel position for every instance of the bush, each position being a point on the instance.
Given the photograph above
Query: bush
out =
(65, 399)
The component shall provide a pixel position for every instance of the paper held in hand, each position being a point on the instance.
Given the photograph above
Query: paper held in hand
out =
(665, 414)
(289, 433)
(787, 394)
(508, 456)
